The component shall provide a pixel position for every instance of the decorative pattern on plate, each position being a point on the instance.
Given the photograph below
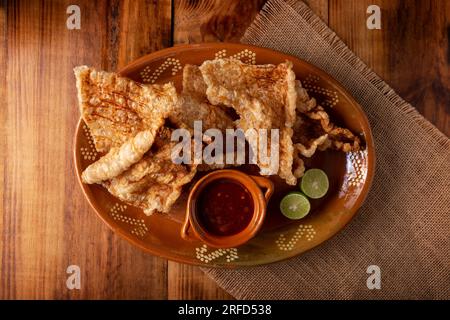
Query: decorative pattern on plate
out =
(358, 168)
(116, 212)
(246, 56)
(150, 77)
(330, 97)
(220, 54)
(88, 153)
(202, 254)
(306, 231)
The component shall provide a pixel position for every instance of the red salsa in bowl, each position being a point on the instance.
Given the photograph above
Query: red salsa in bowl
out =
(225, 207)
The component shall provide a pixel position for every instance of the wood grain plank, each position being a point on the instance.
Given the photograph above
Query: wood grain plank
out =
(33, 221)
(410, 52)
(189, 282)
(320, 8)
(145, 27)
(47, 223)
(3, 156)
(213, 20)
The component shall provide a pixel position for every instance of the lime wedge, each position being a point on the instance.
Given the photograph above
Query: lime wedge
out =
(314, 183)
(295, 206)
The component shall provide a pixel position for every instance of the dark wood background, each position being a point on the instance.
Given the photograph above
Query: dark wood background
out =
(46, 224)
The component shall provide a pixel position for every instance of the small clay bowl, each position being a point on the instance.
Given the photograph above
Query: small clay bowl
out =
(254, 186)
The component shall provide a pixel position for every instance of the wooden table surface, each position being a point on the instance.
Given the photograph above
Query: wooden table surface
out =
(47, 225)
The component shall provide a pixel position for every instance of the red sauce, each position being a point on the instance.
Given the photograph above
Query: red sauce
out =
(225, 207)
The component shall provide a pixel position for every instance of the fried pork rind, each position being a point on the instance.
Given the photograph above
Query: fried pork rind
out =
(126, 120)
(193, 83)
(116, 108)
(298, 167)
(304, 103)
(119, 159)
(141, 172)
(194, 105)
(264, 96)
(155, 182)
(313, 130)
(191, 109)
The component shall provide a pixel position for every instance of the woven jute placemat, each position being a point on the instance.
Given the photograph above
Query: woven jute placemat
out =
(404, 225)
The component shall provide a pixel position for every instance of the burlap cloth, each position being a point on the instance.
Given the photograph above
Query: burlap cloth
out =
(404, 225)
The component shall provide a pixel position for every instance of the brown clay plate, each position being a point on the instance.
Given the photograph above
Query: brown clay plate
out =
(350, 174)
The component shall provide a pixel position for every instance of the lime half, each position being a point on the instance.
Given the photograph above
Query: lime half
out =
(295, 206)
(314, 183)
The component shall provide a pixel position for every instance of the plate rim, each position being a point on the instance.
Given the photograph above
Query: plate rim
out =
(136, 65)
